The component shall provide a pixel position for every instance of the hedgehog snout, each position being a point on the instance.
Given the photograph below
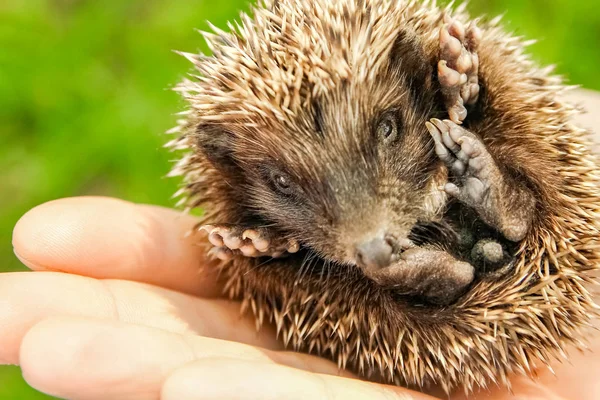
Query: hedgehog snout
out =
(378, 252)
(374, 254)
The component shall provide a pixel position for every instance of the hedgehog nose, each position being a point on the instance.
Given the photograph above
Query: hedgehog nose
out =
(374, 254)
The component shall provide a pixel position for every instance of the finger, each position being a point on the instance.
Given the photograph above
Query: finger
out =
(28, 298)
(212, 379)
(110, 238)
(94, 359)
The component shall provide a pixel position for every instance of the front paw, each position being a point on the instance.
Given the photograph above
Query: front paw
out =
(478, 183)
(229, 240)
(473, 168)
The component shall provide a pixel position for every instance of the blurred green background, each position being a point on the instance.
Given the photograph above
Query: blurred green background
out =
(85, 95)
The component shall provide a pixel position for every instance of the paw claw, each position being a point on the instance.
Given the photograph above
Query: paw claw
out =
(474, 87)
(442, 127)
(215, 239)
(260, 243)
(469, 149)
(249, 234)
(455, 131)
(436, 134)
(206, 228)
(449, 142)
(293, 247)
(433, 131)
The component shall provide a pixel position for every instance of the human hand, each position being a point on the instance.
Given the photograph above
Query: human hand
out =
(119, 320)
(133, 315)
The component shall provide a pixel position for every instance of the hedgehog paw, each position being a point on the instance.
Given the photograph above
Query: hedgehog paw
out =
(468, 160)
(479, 184)
(266, 244)
(489, 255)
(229, 240)
(465, 155)
(433, 275)
(458, 67)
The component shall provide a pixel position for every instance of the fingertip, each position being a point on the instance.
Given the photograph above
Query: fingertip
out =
(108, 238)
(49, 236)
(72, 357)
(48, 355)
(33, 360)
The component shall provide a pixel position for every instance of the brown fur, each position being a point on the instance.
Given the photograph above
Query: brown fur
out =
(271, 98)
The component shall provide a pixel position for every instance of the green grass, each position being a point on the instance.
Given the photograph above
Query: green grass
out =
(85, 99)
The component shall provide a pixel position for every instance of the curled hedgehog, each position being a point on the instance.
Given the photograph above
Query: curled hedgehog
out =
(394, 186)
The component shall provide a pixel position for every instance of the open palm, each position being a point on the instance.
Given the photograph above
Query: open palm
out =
(123, 305)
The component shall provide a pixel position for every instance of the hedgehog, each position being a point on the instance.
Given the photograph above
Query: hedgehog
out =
(339, 149)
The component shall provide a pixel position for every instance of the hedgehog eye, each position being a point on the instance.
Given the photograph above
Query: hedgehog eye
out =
(387, 128)
(282, 183)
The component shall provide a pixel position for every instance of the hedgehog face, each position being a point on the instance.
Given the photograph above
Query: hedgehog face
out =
(348, 178)
(344, 166)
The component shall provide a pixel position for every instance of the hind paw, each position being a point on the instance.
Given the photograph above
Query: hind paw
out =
(229, 240)
(434, 275)
(489, 254)
(458, 67)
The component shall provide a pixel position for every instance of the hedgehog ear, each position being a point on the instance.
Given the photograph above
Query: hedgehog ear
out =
(215, 143)
(408, 55)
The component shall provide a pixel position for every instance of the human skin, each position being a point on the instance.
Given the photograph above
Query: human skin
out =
(123, 305)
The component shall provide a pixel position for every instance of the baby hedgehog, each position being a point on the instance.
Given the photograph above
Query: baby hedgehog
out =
(394, 187)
